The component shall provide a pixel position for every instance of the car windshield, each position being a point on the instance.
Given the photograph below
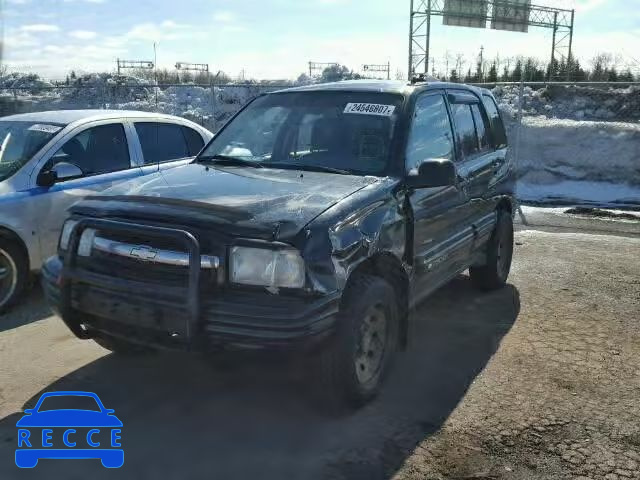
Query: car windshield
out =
(340, 132)
(69, 402)
(19, 141)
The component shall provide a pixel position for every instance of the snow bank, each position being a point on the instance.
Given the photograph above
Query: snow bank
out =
(572, 102)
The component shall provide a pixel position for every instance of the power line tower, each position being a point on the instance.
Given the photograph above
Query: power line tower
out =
(140, 64)
(379, 68)
(510, 15)
(319, 67)
(192, 67)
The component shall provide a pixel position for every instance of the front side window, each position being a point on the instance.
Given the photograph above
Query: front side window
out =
(96, 150)
(431, 136)
(465, 128)
(20, 141)
(350, 132)
(161, 142)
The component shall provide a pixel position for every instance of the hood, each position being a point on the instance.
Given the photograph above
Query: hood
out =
(280, 202)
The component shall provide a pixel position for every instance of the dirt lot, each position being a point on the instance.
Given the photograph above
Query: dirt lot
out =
(540, 380)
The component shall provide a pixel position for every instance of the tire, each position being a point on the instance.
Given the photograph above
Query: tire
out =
(122, 347)
(494, 274)
(14, 273)
(352, 367)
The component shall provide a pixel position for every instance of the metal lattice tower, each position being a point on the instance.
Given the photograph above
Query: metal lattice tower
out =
(142, 64)
(319, 67)
(561, 21)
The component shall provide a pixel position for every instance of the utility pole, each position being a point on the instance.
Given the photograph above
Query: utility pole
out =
(433, 67)
(480, 70)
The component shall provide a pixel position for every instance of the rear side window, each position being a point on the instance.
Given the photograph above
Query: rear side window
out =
(497, 127)
(431, 135)
(161, 142)
(194, 141)
(482, 129)
(465, 128)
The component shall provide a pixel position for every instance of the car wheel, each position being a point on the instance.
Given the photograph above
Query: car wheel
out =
(14, 271)
(494, 274)
(353, 365)
(122, 347)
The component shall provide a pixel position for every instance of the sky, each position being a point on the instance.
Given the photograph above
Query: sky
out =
(273, 39)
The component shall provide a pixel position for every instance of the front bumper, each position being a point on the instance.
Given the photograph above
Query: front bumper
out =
(95, 305)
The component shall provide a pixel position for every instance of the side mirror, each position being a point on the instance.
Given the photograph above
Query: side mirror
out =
(58, 173)
(29, 411)
(433, 173)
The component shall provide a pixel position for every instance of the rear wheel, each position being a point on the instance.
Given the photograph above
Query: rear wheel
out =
(353, 366)
(14, 271)
(494, 274)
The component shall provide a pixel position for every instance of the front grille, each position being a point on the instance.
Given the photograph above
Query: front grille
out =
(115, 261)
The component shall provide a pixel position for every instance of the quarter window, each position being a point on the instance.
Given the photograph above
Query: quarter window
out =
(497, 127)
(97, 150)
(431, 135)
(466, 129)
(161, 142)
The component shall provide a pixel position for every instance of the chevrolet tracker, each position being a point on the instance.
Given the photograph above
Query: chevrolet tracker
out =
(313, 221)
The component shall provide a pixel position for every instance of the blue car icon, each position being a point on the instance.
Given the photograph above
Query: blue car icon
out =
(80, 433)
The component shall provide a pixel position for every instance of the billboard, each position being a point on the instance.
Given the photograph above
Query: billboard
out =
(465, 13)
(512, 15)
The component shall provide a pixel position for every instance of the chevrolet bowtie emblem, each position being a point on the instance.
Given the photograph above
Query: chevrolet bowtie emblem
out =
(143, 253)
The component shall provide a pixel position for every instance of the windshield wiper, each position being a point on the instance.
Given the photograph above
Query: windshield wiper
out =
(314, 168)
(229, 160)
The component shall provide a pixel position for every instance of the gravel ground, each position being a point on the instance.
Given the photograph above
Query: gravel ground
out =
(540, 380)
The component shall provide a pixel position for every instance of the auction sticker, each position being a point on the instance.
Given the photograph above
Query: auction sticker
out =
(370, 109)
(43, 127)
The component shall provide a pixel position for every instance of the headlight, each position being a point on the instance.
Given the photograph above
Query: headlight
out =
(86, 242)
(66, 233)
(269, 268)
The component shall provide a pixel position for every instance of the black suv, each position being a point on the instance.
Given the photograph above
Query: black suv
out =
(313, 221)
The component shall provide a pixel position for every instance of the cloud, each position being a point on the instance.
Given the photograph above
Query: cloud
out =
(83, 34)
(18, 2)
(586, 5)
(40, 27)
(224, 17)
(87, 1)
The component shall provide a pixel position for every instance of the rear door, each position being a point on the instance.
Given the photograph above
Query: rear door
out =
(477, 158)
(166, 145)
(440, 232)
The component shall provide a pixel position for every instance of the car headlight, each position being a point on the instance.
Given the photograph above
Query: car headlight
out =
(86, 242)
(267, 267)
(65, 236)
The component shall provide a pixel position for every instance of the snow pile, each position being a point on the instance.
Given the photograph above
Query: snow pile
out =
(574, 102)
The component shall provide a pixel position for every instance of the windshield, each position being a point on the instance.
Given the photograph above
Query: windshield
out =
(340, 131)
(19, 141)
(69, 402)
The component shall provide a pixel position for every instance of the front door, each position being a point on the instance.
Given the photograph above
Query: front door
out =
(440, 234)
(101, 152)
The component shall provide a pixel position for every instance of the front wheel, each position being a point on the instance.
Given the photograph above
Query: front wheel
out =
(494, 273)
(353, 366)
(14, 271)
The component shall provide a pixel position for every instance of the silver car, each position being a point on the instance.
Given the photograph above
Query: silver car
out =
(50, 160)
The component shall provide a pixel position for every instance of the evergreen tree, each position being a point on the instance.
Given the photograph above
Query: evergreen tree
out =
(454, 76)
(493, 74)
